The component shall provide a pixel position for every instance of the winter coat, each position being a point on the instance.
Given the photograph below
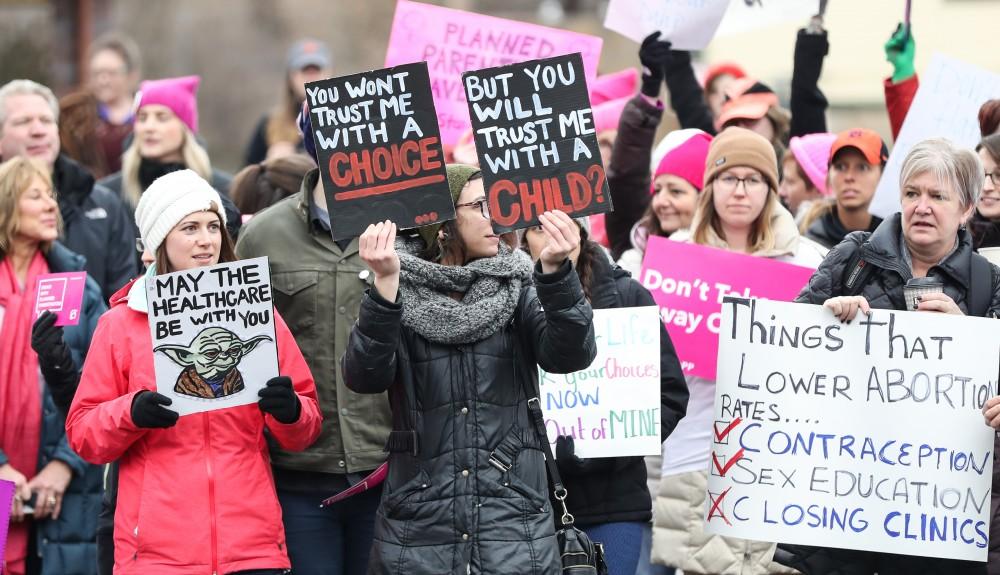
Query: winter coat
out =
(884, 290)
(66, 545)
(898, 98)
(628, 171)
(985, 233)
(612, 489)
(197, 497)
(445, 508)
(97, 226)
(828, 231)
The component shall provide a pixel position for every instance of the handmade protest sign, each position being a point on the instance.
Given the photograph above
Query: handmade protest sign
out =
(742, 16)
(61, 294)
(612, 408)
(687, 25)
(689, 281)
(536, 142)
(6, 500)
(866, 435)
(453, 42)
(379, 150)
(213, 334)
(946, 106)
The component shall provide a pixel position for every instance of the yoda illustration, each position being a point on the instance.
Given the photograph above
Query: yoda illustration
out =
(210, 362)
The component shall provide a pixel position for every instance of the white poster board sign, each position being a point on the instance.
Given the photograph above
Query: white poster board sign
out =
(742, 17)
(865, 435)
(946, 106)
(612, 408)
(687, 25)
(213, 334)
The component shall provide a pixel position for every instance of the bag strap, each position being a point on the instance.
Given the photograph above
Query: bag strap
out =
(980, 286)
(856, 273)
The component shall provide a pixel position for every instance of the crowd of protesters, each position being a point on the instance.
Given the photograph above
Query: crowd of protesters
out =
(420, 348)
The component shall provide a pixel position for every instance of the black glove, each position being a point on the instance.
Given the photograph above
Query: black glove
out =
(279, 399)
(47, 341)
(655, 56)
(148, 410)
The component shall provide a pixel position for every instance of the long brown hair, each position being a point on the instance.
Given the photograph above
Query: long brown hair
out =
(258, 186)
(227, 251)
(761, 236)
(589, 252)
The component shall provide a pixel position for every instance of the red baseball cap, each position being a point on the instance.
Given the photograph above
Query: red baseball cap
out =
(748, 99)
(866, 141)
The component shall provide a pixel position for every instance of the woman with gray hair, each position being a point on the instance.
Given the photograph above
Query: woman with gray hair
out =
(926, 243)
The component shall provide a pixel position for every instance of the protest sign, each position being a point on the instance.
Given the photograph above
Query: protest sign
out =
(689, 281)
(946, 106)
(687, 25)
(612, 408)
(6, 500)
(866, 435)
(453, 42)
(536, 141)
(61, 294)
(379, 150)
(743, 16)
(213, 334)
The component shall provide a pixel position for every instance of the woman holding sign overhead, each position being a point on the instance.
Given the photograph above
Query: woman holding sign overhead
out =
(739, 211)
(195, 494)
(919, 259)
(453, 331)
(56, 491)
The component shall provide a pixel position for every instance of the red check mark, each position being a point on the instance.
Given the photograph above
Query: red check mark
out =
(719, 436)
(722, 469)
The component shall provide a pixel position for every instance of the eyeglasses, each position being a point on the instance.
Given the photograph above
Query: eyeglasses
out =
(994, 177)
(751, 184)
(482, 204)
(140, 246)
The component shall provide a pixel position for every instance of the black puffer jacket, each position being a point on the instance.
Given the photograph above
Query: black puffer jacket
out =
(985, 233)
(884, 290)
(446, 509)
(828, 231)
(611, 489)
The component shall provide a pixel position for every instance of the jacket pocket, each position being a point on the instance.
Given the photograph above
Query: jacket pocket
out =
(537, 502)
(296, 298)
(392, 501)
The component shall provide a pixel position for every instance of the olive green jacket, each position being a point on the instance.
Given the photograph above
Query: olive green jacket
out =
(317, 289)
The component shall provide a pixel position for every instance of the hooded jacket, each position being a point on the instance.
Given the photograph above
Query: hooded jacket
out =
(97, 226)
(445, 508)
(197, 497)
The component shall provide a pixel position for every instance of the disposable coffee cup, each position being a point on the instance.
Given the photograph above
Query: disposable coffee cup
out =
(917, 287)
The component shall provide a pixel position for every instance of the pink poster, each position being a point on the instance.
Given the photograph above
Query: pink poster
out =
(6, 500)
(453, 42)
(61, 294)
(688, 282)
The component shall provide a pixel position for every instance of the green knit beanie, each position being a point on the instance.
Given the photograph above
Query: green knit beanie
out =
(458, 176)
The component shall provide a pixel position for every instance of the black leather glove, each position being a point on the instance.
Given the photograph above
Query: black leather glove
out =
(655, 56)
(279, 399)
(47, 341)
(148, 410)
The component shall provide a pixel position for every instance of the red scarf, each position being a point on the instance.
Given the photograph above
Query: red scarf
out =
(20, 396)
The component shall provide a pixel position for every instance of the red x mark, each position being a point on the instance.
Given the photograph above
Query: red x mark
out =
(719, 436)
(716, 509)
(722, 469)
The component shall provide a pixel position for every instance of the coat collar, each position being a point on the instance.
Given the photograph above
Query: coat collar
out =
(884, 248)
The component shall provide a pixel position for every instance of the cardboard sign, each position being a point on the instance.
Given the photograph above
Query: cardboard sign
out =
(689, 281)
(612, 408)
(866, 435)
(213, 334)
(687, 25)
(743, 16)
(453, 42)
(946, 106)
(536, 141)
(379, 150)
(61, 294)
(6, 500)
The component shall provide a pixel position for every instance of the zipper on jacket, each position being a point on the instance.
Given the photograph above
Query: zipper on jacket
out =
(211, 494)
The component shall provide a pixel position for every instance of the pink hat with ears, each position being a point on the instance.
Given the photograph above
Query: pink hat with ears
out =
(178, 94)
(613, 86)
(606, 115)
(812, 152)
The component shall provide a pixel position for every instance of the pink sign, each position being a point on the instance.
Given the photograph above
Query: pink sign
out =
(6, 499)
(61, 294)
(688, 282)
(453, 42)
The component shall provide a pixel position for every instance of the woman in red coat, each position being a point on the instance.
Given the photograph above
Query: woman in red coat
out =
(195, 494)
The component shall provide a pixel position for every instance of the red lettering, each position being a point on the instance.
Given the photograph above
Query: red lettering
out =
(382, 159)
(342, 179)
(533, 201)
(430, 157)
(504, 219)
(579, 190)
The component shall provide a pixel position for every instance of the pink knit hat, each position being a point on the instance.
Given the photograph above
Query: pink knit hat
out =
(613, 86)
(686, 160)
(606, 115)
(178, 94)
(812, 152)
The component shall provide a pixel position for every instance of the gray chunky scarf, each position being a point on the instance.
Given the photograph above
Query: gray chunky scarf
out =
(491, 288)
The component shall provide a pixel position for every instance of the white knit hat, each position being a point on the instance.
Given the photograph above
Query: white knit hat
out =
(168, 200)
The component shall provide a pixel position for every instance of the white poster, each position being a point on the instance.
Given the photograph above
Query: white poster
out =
(746, 16)
(946, 106)
(867, 435)
(213, 334)
(688, 25)
(612, 408)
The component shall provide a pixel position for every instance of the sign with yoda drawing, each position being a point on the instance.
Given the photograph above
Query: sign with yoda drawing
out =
(213, 334)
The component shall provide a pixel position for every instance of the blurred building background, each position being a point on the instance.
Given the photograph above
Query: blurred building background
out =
(238, 46)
